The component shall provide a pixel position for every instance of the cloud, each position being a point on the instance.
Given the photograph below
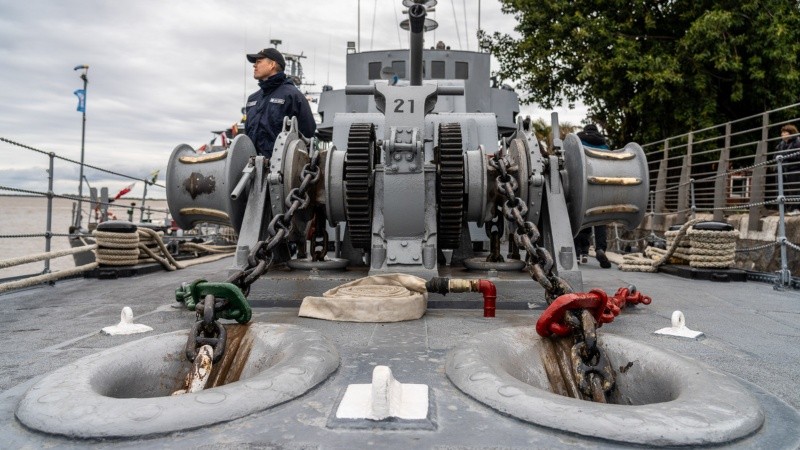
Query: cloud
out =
(166, 73)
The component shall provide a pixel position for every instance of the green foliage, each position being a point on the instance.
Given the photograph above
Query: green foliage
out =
(649, 69)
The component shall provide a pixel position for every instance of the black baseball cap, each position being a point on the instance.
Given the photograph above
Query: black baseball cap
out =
(270, 53)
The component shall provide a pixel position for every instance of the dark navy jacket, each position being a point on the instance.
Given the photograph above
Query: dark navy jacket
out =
(266, 108)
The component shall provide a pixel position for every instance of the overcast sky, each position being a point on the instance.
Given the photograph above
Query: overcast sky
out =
(164, 73)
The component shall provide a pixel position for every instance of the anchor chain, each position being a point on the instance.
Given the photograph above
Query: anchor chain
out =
(580, 314)
(525, 233)
(228, 300)
(261, 257)
(593, 372)
(494, 229)
(319, 236)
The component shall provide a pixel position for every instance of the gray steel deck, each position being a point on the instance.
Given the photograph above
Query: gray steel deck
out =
(751, 330)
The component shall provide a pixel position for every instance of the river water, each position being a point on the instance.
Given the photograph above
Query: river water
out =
(28, 215)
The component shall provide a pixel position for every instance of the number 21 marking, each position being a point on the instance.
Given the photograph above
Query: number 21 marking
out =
(399, 107)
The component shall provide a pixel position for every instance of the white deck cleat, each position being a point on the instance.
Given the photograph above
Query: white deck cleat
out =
(384, 398)
(126, 325)
(678, 328)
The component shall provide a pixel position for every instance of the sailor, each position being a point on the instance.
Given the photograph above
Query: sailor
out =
(277, 98)
(591, 137)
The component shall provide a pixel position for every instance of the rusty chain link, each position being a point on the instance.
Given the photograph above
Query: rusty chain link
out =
(319, 238)
(261, 257)
(494, 229)
(207, 330)
(593, 371)
(525, 233)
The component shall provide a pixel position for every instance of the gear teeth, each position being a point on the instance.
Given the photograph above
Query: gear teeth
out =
(357, 187)
(450, 186)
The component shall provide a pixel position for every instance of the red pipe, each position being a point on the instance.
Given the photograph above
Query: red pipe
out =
(489, 291)
(487, 288)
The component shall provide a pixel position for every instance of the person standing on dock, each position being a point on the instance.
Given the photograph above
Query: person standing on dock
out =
(277, 98)
(591, 137)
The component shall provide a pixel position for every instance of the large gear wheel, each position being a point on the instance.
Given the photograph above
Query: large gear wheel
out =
(450, 186)
(358, 191)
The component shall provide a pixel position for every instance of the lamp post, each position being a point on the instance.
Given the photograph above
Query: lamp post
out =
(82, 108)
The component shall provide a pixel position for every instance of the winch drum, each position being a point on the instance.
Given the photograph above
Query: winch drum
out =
(605, 185)
(199, 185)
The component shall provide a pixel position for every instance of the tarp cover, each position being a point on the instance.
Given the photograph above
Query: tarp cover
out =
(392, 297)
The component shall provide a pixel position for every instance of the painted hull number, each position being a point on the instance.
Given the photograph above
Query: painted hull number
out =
(399, 103)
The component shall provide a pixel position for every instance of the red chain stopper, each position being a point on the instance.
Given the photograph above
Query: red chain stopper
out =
(602, 307)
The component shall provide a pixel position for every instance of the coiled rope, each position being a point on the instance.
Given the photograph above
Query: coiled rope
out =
(635, 263)
(712, 249)
(698, 248)
(115, 249)
(130, 249)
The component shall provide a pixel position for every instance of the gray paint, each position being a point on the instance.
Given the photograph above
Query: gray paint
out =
(479, 98)
(125, 391)
(225, 173)
(54, 326)
(666, 399)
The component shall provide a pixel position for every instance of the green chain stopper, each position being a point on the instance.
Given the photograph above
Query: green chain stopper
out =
(238, 308)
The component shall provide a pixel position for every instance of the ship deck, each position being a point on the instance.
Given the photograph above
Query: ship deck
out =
(751, 332)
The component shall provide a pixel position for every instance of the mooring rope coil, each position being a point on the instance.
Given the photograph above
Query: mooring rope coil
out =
(712, 248)
(633, 263)
(129, 249)
(700, 248)
(115, 249)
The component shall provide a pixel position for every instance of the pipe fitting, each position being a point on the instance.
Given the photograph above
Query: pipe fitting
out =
(442, 286)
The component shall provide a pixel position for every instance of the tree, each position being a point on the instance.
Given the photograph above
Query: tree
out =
(649, 69)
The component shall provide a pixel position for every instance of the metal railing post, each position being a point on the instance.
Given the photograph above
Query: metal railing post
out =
(144, 198)
(759, 178)
(616, 238)
(686, 172)
(721, 182)
(652, 217)
(784, 275)
(693, 204)
(660, 204)
(48, 234)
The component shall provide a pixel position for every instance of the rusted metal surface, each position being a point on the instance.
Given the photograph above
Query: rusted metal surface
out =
(555, 356)
(575, 317)
(229, 369)
(198, 184)
(198, 375)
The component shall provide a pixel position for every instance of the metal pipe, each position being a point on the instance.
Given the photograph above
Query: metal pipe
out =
(49, 230)
(489, 291)
(442, 286)
(785, 276)
(78, 216)
(247, 173)
(556, 133)
(141, 208)
(694, 204)
(416, 19)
